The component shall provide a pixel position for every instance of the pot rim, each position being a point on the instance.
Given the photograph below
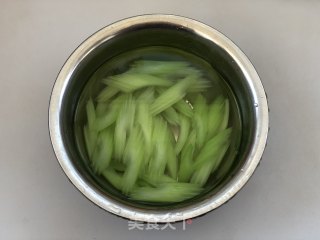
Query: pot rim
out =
(196, 209)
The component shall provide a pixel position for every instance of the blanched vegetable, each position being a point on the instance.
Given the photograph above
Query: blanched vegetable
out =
(157, 181)
(113, 177)
(172, 163)
(218, 116)
(212, 147)
(91, 114)
(183, 107)
(171, 116)
(146, 124)
(160, 141)
(134, 157)
(129, 82)
(202, 174)
(106, 119)
(172, 95)
(107, 93)
(102, 154)
(200, 120)
(183, 133)
(166, 192)
(152, 134)
(90, 138)
(123, 125)
(158, 67)
(186, 162)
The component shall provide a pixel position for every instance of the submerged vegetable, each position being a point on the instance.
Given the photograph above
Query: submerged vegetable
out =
(102, 154)
(148, 139)
(166, 192)
(134, 158)
(186, 158)
(129, 82)
(200, 120)
(183, 133)
(172, 95)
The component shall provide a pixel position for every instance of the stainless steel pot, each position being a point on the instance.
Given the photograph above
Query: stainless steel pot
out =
(167, 30)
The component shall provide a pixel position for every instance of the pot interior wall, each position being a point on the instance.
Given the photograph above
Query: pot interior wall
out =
(158, 35)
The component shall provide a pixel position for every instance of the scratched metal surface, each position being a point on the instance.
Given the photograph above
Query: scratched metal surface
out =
(281, 201)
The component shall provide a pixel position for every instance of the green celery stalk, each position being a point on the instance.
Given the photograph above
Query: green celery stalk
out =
(91, 114)
(225, 119)
(172, 95)
(118, 166)
(173, 70)
(200, 119)
(183, 133)
(147, 95)
(142, 183)
(156, 181)
(107, 119)
(166, 192)
(226, 165)
(90, 138)
(134, 156)
(212, 148)
(113, 177)
(106, 94)
(129, 82)
(202, 174)
(171, 116)
(123, 125)
(102, 109)
(145, 122)
(102, 154)
(200, 85)
(172, 161)
(110, 113)
(158, 67)
(217, 116)
(183, 73)
(186, 158)
(120, 136)
(186, 163)
(184, 108)
(159, 159)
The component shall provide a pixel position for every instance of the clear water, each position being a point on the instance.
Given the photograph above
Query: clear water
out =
(121, 63)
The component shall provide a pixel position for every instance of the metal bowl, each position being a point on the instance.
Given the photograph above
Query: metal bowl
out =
(164, 30)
